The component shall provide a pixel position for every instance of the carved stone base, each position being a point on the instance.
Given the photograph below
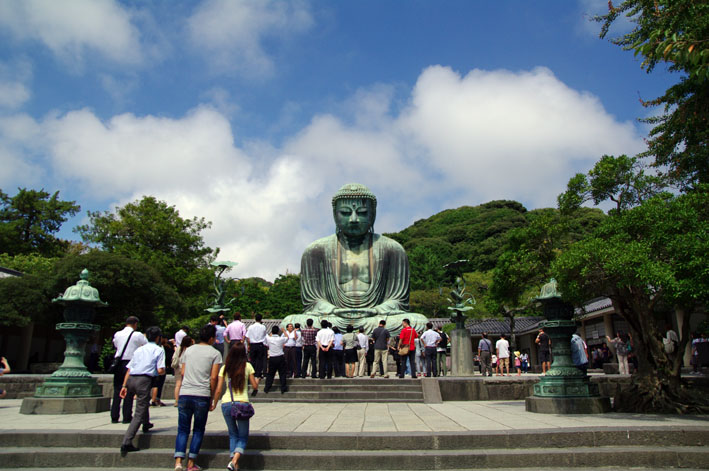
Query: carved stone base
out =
(72, 405)
(63, 387)
(567, 405)
(565, 387)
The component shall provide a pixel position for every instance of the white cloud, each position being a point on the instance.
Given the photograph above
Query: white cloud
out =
(119, 88)
(502, 134)
(233, 32)
(221, 99)
(129, 153)
(14, 77)
(70, 29)
(13, 94)
(459, 140)
(19, 143)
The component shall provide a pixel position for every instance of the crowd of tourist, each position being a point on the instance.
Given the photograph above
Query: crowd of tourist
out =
(222, 360)
(207, 373)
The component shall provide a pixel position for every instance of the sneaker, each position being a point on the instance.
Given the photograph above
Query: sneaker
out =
(230, 466)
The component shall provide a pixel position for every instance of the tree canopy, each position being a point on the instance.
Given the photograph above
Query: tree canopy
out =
(29, 220)
(151, 231)
(674, 33)
(649, 260)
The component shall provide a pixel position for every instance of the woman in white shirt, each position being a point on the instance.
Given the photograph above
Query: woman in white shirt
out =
(289, 350)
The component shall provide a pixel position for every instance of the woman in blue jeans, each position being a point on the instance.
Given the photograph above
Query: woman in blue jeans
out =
(196, 387)
(235, 373)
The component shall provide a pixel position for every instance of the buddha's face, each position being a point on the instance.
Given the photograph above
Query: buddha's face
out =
(354, 217)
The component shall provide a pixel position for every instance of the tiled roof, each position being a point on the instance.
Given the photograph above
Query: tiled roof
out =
(502, 326)
(7, 272)
(594, 305)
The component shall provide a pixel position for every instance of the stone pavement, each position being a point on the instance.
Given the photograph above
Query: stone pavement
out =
(361, 418)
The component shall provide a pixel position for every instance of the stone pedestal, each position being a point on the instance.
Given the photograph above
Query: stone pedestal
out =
(61, 405)
(461, 353)
(567, 405)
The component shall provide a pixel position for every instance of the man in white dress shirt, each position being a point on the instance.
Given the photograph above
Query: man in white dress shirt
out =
(256, 340)
(148, 362)
(324, 340)
(430, 340)
(126, 342)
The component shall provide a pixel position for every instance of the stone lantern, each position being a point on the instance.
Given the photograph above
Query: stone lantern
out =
(564, 389)
(71, 389)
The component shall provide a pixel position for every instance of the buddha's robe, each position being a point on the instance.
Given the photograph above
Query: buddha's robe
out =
(387, 291)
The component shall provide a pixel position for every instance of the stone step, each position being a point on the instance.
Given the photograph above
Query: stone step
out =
(392, 390)
(570, 457)
(326, 395)
(353, 387)
(391, 381)
(345, 390)
(285, 398)
(506, 439)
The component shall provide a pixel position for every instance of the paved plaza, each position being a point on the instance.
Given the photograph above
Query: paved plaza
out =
(361, 418)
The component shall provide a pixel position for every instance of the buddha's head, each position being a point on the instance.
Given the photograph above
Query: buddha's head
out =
(354, 208)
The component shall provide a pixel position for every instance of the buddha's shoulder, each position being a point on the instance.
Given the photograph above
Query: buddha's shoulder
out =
(321, 244)
(384, 241)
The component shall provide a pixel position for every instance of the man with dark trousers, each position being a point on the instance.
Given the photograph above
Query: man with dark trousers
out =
(256, 339)
(310, 350)
(485, 355)
(325, 340)
(126, 341)
(148, 362)
(407, 338)
(430, 340)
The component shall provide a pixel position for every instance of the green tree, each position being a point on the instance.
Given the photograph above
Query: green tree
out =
(251, 296)
(29, 264)
(426, 269)
(430, 302)
(622, 180)
(130, 287)
(26, 299)
(525, 264)
(475, 233)
(673, 33)
(647, 259)
(153, 232)
(283, 297)
(29, 220)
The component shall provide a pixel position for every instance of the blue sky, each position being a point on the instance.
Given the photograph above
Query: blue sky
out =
(252, 113)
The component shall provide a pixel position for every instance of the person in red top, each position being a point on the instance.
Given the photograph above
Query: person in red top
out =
(406, 340)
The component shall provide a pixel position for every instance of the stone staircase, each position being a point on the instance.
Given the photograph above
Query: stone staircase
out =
(300, 390)
(345, 390)
(646, 448)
